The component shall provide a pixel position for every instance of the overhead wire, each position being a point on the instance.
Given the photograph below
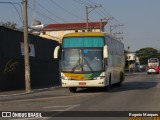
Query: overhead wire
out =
(79, 2)
(101, 11)
(13, 4)
(111, 15)
(44, 15)
(92, 3)
(78, 17)
(50, 12)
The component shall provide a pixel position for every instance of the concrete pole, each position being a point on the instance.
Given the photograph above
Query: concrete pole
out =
(26, 54)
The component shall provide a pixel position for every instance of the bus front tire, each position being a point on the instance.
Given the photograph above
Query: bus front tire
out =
(108, 87)
(73, 89)
(121, 79)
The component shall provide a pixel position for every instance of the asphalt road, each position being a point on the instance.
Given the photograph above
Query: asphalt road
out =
(139, 92)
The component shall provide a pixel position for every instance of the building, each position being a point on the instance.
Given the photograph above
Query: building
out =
(133, 60)
(56, 31)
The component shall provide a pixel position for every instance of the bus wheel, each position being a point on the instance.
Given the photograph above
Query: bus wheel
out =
(109, 85)
(72, 89)
(121, 79)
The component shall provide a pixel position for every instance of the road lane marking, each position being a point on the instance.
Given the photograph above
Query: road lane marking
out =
(61, 108)
(59, 111)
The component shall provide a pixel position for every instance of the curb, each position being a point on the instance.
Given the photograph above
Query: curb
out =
(34, 91)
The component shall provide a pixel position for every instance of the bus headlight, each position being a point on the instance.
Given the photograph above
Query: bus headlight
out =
(65, 78)
(98, 78)
(102, 76)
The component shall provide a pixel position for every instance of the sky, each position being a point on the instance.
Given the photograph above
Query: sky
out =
(140, 17)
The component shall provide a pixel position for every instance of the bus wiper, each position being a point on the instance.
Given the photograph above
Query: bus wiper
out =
(88, 65)
(76, 65)
(73, 69)
(81, 65)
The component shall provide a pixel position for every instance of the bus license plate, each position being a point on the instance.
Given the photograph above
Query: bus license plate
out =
(82, 83)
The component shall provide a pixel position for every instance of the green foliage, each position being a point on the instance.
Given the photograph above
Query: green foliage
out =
(145, 53)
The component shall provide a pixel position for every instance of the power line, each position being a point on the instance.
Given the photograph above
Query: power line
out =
(104, 15)
(79, 2)
(111, 15)
(53, 2)
(101, 15)
(50, 12)
(13, 4)
(91, 2)
(103, 12)
(84, 3)
(44, 15)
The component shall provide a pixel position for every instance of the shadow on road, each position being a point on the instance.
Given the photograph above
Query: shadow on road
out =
(91, 90)
(134, 86)
(124, 87)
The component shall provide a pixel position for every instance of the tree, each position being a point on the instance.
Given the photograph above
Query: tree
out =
(145, 53)
(8, 24)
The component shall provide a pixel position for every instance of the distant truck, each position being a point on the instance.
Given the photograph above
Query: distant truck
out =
(153, 65)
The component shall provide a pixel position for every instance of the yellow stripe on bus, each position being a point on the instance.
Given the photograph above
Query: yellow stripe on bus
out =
(76, 76)
(85, 34)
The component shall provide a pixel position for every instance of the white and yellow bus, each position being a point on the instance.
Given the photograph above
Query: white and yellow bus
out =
(91, 59)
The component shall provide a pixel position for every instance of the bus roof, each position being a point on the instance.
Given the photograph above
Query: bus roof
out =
(77, 34)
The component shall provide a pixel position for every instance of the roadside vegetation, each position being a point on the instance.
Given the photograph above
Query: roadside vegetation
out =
(145, 53)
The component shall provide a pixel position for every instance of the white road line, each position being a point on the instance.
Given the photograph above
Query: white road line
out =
(72, 107)
(59, 106)
(67, 107)
(62, 108)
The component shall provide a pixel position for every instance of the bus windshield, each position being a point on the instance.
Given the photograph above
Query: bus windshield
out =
(153, 60)
(82, 60)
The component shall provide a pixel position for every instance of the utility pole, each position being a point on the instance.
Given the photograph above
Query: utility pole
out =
(114, 26)
(87, 13)
(26, 54)
(87, 19)
(114, 34)
(104, 19)
(101, 29)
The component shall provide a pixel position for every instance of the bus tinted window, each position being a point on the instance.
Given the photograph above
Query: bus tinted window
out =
(83, 42)
(153, 60)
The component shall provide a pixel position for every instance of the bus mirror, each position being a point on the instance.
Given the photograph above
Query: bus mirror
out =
(105, 51)
(56, 50)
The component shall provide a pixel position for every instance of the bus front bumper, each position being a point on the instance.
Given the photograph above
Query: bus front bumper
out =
(83, 83)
